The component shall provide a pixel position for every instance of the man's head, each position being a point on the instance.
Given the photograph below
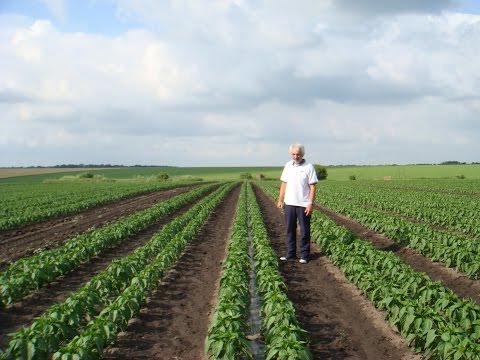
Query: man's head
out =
(297, 151)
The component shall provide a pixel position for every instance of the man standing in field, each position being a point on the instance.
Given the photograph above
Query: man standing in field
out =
(297, 194)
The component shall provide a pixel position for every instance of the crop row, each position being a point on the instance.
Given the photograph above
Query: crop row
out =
(439, 245)
(27, 274)
(91, 317)
(430, 316)
(459, 213)
(466, 187)
(227, 339)
(21, 204)
(284, 338)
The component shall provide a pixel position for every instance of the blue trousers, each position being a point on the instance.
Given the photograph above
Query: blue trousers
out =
(292, 215)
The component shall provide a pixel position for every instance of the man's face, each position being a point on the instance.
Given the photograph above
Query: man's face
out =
(296, 155)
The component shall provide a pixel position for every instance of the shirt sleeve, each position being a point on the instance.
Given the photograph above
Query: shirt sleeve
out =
(312, 177)
(284, 176)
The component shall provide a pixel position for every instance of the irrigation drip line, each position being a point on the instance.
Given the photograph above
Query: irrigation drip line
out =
(256, 344)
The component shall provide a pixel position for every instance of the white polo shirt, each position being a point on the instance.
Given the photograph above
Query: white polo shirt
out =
(298, 178)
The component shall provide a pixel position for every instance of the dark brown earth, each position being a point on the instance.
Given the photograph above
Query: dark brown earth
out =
(342, 323)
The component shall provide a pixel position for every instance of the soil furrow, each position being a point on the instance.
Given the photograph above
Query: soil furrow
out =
(24, 241)
(23, 312)
(341, 322)
(174, 322)
(459, 283)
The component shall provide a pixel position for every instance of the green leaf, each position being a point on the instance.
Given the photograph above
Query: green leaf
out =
(30, 350)
(446, 336)
(408, 321)
(430, 338)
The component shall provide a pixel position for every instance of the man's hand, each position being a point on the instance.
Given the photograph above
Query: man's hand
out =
(309, 209)
(280, 204)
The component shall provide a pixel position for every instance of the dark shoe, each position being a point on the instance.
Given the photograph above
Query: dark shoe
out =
(303, 261)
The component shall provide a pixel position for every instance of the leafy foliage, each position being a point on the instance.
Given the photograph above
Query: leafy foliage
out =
(430, 317)
(321, 171)
(101, 308)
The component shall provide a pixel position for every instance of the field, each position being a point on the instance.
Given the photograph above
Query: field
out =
(378, 172)
(205, 173)
(127, 266)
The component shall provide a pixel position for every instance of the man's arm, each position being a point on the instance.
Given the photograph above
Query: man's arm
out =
(281, 195)
(311, 200)
(311, 197)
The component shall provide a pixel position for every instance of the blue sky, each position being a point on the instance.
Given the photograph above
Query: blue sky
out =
(90, 16)
(470, 6)
(234, 82)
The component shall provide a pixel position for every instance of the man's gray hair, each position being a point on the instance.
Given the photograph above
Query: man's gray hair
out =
(297, 146)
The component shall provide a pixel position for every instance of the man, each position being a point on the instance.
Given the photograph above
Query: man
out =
(297, 195)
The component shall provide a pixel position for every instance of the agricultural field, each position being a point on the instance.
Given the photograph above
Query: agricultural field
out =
(189, 269)
(367, 172)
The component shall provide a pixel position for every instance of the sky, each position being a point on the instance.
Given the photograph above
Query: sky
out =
(235, 82)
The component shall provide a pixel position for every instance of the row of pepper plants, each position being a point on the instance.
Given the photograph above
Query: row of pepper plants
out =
(91, 317)
(430, 317)
(467, 187)
(227, 335)
(439, 245)
(30, 273)
(284, 337)
(455, 212)
(21, 204)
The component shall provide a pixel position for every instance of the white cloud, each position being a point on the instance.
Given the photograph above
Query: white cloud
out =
(234, 82)
(435, 50)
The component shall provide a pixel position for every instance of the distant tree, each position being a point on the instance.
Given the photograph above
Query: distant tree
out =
(163, 176)
(246, 176)
(86, 175)
(352, 177)
(452, 162)
(321, 171)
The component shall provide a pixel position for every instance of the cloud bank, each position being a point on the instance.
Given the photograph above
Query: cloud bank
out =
(232, 83)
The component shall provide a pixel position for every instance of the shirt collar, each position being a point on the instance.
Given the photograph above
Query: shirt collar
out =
(300, 163)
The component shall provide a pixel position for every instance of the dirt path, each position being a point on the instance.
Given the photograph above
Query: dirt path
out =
(23, 312)
(459, 283)
(341, 322)
(23, 241)
(174, 322)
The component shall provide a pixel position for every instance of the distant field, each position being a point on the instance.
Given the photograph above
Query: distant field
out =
(15, 172)
(404, 172)
(205, 173)
(383, 172)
